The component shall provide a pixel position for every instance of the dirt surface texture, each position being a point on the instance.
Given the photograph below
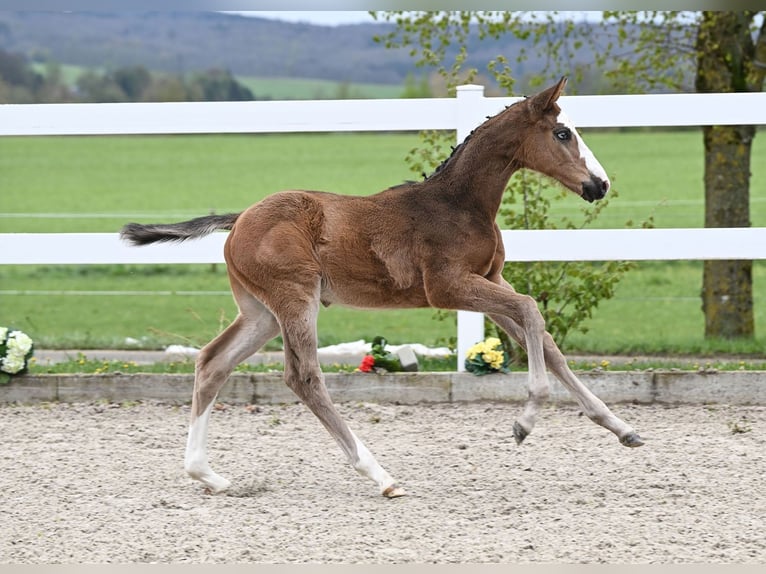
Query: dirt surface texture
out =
(100, 482)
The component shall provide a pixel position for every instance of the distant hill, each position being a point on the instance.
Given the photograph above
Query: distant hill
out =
(181, 42)
(187, 41)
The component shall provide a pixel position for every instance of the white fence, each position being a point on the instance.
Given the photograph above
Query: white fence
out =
(462, 114)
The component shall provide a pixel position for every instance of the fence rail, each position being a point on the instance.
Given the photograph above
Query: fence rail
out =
(520, 245)
(462, 114)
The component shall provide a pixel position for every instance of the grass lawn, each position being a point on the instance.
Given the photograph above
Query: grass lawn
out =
(657, 309)
(316, 89)
(168, 304)
(84, 184)
(265, 88)
(76, 184)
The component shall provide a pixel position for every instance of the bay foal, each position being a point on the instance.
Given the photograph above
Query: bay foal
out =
(430, 243)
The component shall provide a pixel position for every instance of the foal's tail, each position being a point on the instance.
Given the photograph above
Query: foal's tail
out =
(139, 234)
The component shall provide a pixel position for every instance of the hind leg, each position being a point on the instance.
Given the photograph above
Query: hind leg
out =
(304, 376)
(253, 327)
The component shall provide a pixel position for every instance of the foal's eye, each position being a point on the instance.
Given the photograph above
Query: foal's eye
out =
(563, 134)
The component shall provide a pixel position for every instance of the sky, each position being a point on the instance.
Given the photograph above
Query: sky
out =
(334, 18)
(326, 17)
(339, 17)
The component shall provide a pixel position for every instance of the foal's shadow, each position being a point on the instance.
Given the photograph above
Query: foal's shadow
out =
(253, 489)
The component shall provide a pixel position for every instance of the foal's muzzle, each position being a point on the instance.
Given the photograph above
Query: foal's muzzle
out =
(595, 188)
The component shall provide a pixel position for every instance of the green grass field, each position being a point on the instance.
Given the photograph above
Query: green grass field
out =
(177, 315)
(76, 184)
(70, 184)
(316, 89)
(270, 88)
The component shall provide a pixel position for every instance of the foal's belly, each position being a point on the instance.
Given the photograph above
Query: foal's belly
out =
(371, 295)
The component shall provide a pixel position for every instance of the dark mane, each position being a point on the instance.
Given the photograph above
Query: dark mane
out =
(459, 147)
(455, 149)
(440, 166)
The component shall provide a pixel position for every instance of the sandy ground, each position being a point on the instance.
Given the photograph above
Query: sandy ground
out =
(102, 483)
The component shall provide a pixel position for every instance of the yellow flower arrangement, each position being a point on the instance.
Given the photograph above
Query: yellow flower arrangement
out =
(486, 357)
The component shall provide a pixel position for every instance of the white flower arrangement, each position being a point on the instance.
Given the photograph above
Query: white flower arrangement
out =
(16, 348)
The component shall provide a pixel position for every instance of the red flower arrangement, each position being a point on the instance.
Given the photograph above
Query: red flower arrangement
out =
(368, 362)
(379, 360)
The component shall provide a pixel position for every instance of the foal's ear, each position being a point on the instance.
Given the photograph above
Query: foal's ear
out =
(544, 101)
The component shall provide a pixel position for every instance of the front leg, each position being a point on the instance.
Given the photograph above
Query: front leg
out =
(476, 293)
(538, 384)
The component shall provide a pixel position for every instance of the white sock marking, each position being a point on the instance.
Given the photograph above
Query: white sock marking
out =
(195, 461)
(369, 467)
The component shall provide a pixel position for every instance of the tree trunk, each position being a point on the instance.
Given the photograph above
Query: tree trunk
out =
(727, 292)
(725, 52)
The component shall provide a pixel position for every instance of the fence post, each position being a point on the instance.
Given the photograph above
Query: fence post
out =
(470, 326)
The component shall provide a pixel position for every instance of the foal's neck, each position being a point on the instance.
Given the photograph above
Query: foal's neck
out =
(477, 174)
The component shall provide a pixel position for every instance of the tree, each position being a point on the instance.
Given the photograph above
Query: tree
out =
(729, 60)
(94, 87)
(167, 88)
(639, 52)
(133, 81)
(219, 85)
(19, 83)
(722, 52)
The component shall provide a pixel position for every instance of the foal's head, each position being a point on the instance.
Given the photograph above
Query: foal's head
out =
(553, 147)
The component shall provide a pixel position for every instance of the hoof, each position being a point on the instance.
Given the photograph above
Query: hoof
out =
(519, 433)
(216, 490)
(394, 491)
(214, 484)
(632, 440)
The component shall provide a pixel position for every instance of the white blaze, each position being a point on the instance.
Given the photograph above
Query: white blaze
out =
(591, 162)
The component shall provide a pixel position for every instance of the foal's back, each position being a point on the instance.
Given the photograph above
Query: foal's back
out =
(361, 251)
